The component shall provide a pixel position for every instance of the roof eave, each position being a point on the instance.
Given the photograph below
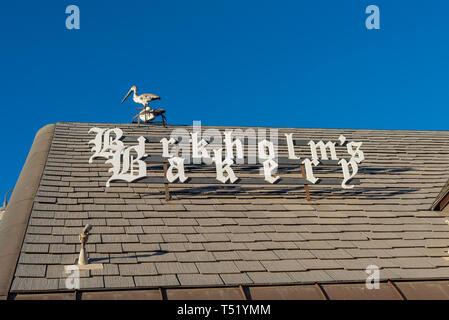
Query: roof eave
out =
(18, 211)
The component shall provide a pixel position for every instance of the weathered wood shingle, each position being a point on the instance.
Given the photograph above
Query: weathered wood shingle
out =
(257, 234)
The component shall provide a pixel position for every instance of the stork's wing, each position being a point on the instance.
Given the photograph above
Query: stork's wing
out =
(149, 96)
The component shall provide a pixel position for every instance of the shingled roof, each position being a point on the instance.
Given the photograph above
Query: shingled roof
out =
(225, 237)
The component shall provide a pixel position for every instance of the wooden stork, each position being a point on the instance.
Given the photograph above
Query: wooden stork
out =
(147, 114)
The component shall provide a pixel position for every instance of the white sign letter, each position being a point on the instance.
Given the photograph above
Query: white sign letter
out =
(230, 146)
(309, 170)
(356, 154)
(346, 175)
(178, 164)
(165, 145)
(269, 167)
(323, 149)
(291, 148)
(224, 166)
(104, 144)
(123, 163)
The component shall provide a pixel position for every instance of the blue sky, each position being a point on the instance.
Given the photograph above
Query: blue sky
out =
(224, 62)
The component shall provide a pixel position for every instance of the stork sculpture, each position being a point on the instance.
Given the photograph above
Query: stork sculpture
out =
(147, 115)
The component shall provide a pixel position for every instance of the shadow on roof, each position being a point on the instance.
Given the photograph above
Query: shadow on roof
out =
(290, 192)
(157, 253)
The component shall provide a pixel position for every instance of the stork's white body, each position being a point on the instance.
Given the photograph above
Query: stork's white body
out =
(143, 99)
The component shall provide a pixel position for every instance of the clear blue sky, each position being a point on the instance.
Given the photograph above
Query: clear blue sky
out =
(224, 62)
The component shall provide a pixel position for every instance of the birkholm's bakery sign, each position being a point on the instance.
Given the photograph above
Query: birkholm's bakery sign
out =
(224, 150)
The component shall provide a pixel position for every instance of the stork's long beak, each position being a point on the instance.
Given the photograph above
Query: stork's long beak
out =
(127, 95)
